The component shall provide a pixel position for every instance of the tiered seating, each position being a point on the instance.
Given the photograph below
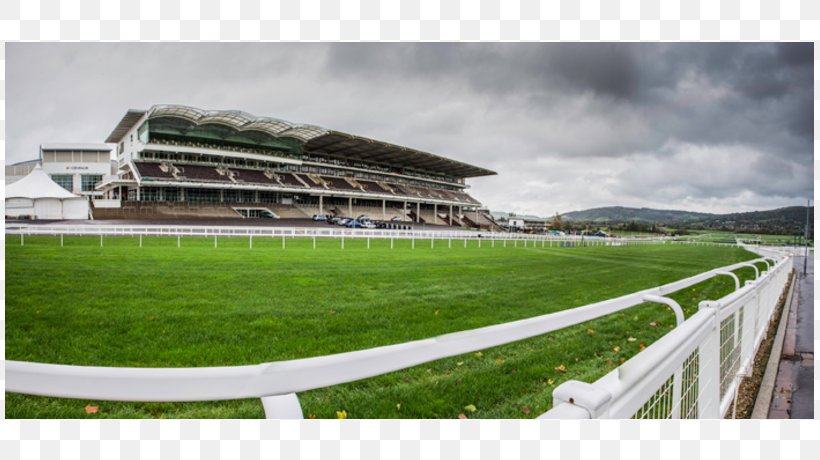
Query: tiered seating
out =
(338, 183)
(253, 176)
(285, 211)
(372, 186)
(479, 220)
(153, 170)
(464, 198)
(203, 173)
(290, 180)
(311, 183)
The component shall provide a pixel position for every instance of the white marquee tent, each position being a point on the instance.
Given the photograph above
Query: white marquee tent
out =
(38, 196)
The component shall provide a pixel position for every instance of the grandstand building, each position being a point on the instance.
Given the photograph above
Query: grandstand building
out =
(184, 161)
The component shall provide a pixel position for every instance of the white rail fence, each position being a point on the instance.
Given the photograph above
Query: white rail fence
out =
(277, 383)
(285, 233)
(695, 370)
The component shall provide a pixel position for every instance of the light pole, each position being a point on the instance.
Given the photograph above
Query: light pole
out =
(806, 237)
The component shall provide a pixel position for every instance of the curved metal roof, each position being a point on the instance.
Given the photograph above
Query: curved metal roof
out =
(238, 120)
(317, 140)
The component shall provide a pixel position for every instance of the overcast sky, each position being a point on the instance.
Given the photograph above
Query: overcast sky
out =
(702, 127)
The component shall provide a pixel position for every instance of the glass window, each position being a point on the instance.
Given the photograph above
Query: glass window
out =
(202, 195)
(171, 194)
(89, 181)
(149, 194)
(65, 181)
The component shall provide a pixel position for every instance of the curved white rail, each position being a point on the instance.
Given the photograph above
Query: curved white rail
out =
(286, 377)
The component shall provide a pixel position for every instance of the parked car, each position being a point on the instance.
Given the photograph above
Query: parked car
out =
(395, 219)
(267, 214)
(353, 223)
(320, 217)
(368, 224)
(343, 221)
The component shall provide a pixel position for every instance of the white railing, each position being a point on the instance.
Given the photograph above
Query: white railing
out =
(278, 382)
(695, 370)
(319, 232)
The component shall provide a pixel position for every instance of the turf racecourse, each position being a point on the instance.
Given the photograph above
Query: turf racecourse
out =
(197, 305)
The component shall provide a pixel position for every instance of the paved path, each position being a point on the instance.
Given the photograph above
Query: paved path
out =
(794, 388)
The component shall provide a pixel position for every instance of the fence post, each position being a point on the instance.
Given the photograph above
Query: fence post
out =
(282, 407)
(140, 239)
(178, 239)
(101, 240)
(709, 366)
(283, 241)
(61, 240)
(465, 243)
(413, 242)
(432, 241)
(368, 242)
(492, 243)
(391, 242)
(314, 241)
(250, 242)
(22, 240)
(343, 240)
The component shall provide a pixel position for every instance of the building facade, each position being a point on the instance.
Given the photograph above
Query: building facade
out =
(177, 154)
(78, 168)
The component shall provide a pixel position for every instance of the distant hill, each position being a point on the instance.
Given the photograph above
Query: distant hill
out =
(789, 220)
(620, 214)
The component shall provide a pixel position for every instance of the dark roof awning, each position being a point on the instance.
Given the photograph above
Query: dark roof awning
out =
(349, 147)
(128, 121)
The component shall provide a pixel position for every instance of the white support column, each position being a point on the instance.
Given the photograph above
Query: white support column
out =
(435, 213)
(451, 215)
(321, 205)
(350, 207)
(418, 211)
(709, 367)
(285, 407)
(384, 209)
(404, 212)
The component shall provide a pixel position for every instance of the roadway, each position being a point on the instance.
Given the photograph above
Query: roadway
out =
(794, 386)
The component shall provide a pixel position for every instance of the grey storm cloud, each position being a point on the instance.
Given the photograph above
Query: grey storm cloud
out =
(708, 127)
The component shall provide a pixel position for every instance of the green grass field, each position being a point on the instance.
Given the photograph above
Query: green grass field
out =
(163, 306)
(709, 236)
